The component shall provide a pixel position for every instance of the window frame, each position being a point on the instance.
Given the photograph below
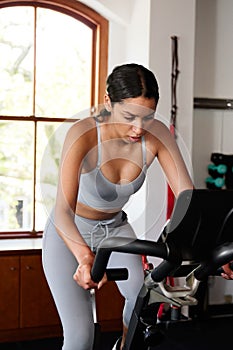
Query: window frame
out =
(99, 26)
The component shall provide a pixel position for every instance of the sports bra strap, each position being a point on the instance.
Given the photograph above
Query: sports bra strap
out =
(99, 148)
(143, 151)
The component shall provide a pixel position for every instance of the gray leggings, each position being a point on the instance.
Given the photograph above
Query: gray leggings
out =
(73, 302)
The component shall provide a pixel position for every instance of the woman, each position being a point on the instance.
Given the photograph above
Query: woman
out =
(104, 161)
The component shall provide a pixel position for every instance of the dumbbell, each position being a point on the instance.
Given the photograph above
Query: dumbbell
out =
(227, 159)
(216, 183)
(217, 170)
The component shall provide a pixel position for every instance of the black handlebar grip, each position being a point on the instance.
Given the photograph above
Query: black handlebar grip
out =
(220, 256)
(117, 274)
(100, 263)
(164, 269)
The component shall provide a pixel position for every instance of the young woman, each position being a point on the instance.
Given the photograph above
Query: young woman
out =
(104, 161)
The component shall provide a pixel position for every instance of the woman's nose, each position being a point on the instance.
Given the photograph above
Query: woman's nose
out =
(137, 130)
(137, 126)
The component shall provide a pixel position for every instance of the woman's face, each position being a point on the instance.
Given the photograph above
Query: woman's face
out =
(132, 118)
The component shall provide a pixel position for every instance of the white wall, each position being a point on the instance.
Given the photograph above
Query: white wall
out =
(213, 79)
(174, 18)
(214, 49)
(171, 18)
(128, 29)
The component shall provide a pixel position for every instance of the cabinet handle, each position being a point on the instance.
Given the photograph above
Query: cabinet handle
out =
(28, 267)
(12, 268)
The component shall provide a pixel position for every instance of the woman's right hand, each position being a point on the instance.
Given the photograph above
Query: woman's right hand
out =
(83, 274)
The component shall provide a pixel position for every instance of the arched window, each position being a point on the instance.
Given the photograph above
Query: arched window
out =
(53, 67)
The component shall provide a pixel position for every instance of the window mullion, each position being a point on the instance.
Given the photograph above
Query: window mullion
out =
(34, 70)
(35, 128)
(34, 179)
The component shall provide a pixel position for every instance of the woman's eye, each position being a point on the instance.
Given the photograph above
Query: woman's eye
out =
(129, 118)
(149, 117)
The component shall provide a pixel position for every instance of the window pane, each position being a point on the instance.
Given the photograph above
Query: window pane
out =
(64, 62)
(16, 63)
(60, 86)
(50, 138)
(16, 175)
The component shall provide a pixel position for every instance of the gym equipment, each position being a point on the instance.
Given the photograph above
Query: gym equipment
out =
(226, 159)
(195, 244)
(217, 170)
(220, 158)
(214, 183)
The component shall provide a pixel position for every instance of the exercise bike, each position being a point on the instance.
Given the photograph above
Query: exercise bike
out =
(197, 241)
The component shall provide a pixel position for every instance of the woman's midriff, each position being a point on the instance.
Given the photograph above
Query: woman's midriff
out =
(94, 214)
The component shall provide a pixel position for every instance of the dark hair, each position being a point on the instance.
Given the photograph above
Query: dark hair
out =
(129, 81)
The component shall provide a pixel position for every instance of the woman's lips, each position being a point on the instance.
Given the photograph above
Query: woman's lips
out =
(135, 138)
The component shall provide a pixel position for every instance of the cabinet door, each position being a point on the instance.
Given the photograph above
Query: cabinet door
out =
(36, 303)
(9, 292)
(109, 306)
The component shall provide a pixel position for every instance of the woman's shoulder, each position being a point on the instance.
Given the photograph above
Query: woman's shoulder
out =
(83, 125)
(158, 130)
(160, 125)
(81, 132)
(158, 137)
(82, 128)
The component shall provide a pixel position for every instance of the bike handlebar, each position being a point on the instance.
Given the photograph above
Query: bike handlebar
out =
(172, 259)
(220, 256)
(169, 253)
(117, 274)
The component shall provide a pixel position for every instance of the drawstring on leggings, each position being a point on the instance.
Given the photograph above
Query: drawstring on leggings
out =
(103, 225)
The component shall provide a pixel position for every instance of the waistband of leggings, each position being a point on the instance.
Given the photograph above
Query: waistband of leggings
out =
(115, 221)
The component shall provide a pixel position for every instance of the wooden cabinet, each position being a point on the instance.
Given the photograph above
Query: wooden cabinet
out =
(9, 292)
(27, 309)
(37, 307)
(109, 306)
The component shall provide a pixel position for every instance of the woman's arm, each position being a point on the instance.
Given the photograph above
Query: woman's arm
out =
(171, 161)
(76, 146)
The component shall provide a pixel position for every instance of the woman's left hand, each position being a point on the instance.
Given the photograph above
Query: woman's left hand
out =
(103, 281)
(228, 273)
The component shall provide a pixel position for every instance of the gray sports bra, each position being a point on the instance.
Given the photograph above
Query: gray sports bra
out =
(98, 192)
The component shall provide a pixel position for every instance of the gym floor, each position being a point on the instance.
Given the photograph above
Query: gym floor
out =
(107, 342)
(200, 335)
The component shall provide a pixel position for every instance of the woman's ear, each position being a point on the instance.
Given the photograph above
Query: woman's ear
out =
(107, 103)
